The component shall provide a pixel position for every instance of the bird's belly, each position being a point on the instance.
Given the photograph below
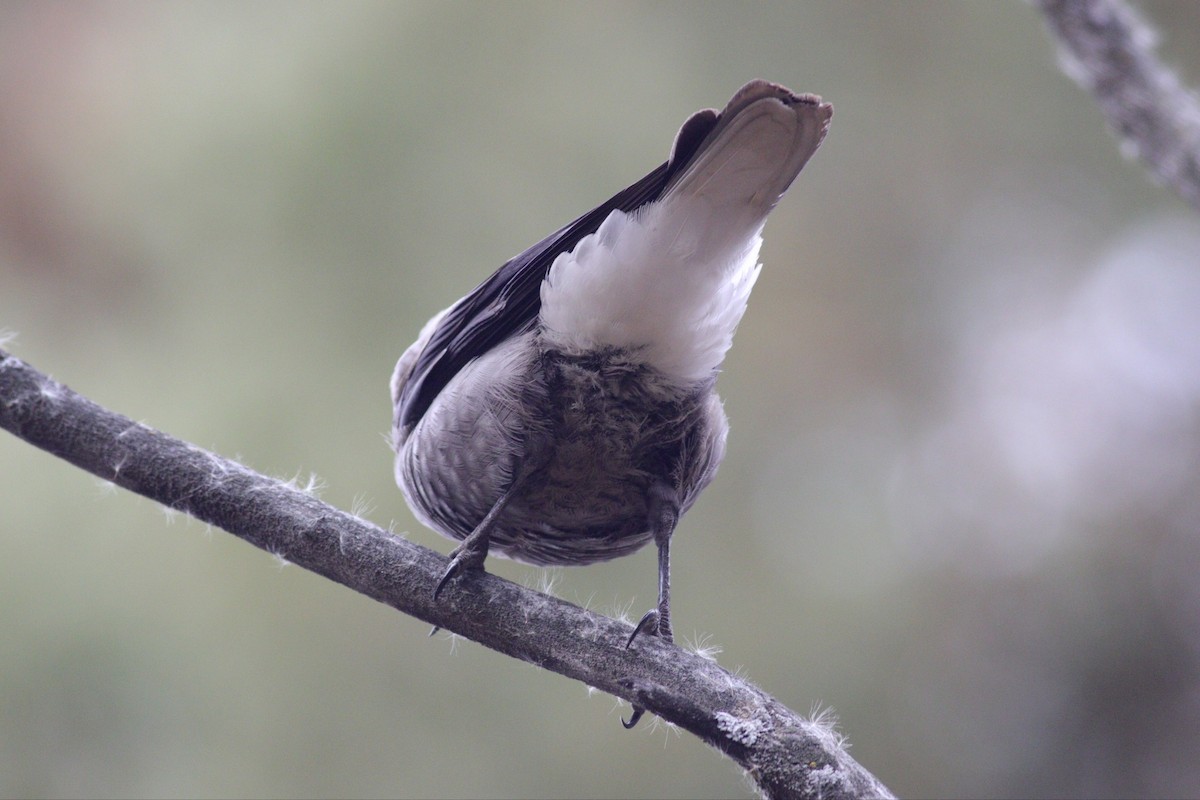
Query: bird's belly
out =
(599, 431)
(589, 504)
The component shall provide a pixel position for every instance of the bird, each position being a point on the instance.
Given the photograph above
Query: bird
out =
(564, 412)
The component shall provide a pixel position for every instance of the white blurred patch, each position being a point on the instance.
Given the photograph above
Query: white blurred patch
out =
(1062, 414)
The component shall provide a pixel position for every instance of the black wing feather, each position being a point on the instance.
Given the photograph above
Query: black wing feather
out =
(508, 302)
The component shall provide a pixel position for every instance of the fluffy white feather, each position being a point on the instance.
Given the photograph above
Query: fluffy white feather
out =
(640, 284)
(670, 283)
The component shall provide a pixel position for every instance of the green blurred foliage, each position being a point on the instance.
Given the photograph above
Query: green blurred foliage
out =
(227, 221)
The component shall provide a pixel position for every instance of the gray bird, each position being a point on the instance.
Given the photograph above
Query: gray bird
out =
(565, 411)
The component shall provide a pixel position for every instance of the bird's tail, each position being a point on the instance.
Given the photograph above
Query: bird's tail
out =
(668, 282)
(734, 177)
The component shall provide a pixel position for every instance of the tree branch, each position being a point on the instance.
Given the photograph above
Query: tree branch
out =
(1108, 49)
(785, 755)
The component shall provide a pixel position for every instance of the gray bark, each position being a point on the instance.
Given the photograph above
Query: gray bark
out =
(784, 754)
(1106, 47)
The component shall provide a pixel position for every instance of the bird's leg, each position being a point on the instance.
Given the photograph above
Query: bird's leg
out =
(664, 515)
(470, 554)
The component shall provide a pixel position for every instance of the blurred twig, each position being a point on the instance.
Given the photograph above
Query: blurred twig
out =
(784, 754)
(1108, 49)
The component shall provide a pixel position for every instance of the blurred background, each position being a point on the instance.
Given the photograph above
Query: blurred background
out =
(961, 504)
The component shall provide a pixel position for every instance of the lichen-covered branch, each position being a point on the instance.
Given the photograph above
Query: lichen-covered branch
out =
(785, 755)
(1108, 49)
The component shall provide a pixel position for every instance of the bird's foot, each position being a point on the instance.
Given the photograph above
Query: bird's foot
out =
(653, 623)
(464, 557)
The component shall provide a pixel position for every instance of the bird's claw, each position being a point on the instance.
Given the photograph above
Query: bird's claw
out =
(647, 624)
(638, 711)
(463, 558)
(650, 624)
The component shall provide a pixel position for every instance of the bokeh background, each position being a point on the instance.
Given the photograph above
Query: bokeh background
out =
(961, 504)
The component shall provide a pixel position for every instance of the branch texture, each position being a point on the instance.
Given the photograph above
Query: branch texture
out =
(1108, 49)
(784, 754)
